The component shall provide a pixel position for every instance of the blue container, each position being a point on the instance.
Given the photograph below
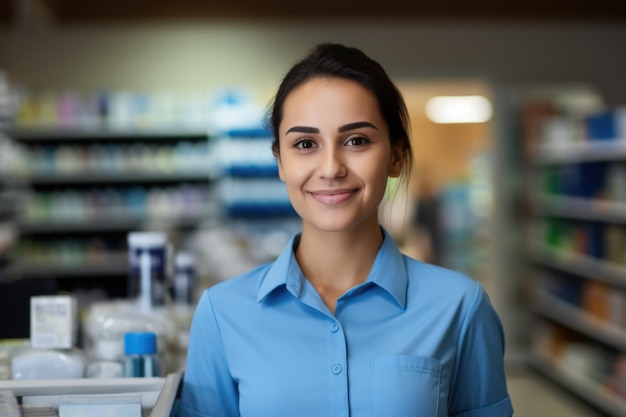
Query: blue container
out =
(141, 359)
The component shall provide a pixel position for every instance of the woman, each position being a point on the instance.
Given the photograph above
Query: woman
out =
(342, 324)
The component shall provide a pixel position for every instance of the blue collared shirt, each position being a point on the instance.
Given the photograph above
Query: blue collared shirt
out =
(413, 340)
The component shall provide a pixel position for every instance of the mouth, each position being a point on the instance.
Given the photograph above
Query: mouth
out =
(333, 197)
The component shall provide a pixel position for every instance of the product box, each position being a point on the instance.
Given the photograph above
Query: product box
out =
(607, 125)
(53, 322)
(101, 405)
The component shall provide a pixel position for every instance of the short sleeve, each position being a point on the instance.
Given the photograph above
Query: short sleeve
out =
(208, 389)
(478, 387)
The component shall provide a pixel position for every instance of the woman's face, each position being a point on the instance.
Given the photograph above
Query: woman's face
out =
(335, 153)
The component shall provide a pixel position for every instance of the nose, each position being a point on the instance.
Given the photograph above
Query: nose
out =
(332, 164)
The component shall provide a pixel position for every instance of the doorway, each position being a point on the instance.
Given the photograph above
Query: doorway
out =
(445, 215)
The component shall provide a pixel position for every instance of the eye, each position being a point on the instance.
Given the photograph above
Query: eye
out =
(304, 144)
(357, 141)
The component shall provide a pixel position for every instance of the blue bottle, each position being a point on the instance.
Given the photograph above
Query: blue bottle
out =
(141, 359)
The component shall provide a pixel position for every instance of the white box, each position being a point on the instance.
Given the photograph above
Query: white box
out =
(53, 322)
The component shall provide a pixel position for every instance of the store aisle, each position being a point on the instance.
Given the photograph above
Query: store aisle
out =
(535, 396)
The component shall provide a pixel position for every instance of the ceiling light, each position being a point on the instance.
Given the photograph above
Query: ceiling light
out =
(458, 109)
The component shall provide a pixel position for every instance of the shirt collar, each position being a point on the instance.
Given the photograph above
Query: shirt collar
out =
(284, 271)
(388, 271)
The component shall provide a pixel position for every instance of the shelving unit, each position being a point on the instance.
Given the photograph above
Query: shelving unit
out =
(248, 175)
(577, 248)
(7, 194)
(7, 209)
(588, 391)
(577, 208)
(86, 188)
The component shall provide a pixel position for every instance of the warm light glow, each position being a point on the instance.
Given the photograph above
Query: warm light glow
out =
(458, 109)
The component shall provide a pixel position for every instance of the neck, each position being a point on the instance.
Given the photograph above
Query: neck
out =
(334, 262)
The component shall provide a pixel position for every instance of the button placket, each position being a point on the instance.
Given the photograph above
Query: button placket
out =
(338, 360)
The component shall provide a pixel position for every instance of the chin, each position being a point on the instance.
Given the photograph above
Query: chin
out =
(330, 227)
(337, 225)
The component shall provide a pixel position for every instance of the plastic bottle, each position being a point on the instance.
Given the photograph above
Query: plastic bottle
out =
(147, 253)
(141, 359)
(183, 292)
(183, 285)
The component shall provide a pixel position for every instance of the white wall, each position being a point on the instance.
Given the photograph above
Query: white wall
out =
(256, 54)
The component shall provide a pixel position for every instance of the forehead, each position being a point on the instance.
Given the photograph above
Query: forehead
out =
(319, 98)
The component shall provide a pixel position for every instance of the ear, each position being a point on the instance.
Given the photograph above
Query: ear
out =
(396, 162)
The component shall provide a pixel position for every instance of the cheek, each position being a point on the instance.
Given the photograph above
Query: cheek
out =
(381, 178)
(375, 171)
(292, 173)
(375, 181)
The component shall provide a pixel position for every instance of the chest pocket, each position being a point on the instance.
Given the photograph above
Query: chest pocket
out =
(404, 386)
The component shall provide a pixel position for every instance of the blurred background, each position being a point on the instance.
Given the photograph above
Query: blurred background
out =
(139, 115)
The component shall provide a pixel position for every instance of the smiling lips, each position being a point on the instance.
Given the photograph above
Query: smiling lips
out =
(333, 197)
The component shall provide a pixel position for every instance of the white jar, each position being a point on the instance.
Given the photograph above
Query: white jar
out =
(106, 359)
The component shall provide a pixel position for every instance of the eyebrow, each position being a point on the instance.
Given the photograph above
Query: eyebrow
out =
(303, 129)
(356, 125)
(344, 128)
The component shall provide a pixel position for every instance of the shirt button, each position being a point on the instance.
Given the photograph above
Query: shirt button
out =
(334, 327)
(336, 369)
